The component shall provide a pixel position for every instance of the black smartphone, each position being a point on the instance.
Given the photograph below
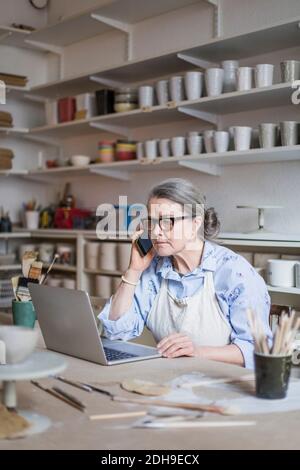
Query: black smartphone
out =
(144, 244)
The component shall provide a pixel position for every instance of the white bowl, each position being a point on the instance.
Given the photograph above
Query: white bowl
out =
(19, 342)
(80, 160)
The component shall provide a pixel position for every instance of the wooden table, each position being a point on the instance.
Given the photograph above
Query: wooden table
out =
(72, 429)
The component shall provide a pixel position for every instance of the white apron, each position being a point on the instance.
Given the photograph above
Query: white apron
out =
(199, 316)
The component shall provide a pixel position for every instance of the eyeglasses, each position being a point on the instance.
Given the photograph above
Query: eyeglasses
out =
(165, 223)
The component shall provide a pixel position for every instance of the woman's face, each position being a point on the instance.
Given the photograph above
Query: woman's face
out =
(176, 231)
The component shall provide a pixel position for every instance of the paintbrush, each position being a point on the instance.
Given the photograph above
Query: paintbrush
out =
(43, 279)
(57, 395)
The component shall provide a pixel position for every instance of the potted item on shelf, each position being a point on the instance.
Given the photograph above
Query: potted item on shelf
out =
(108, 256)
(70, 218)
(66, 254)
(85, 106)
(66, 109)
(126, 99)
(105, 101)
(6, 156)
(106, 151)
(32, 215)
(80, 160)
(125, 150)
(5, 222)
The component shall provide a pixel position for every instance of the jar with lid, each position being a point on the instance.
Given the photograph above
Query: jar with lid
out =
(126, 99)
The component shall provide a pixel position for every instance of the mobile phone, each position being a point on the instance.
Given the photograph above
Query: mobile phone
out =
(144, 244)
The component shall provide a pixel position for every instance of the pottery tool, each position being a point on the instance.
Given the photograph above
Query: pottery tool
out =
(211, 381)
(69, 397)
(133, 414)
(14, 282)
(74, 384)
(211, 408)
(193, 424)
(99, 390)
(43, 279)
(56, 395)
(35, 270)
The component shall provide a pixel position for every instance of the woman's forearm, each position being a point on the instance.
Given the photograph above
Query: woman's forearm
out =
(123, 298)
(230, 354)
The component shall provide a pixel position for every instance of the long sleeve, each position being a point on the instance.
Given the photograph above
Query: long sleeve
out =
(132, 322)
(243, 288)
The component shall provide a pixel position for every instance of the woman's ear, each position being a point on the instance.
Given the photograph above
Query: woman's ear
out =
(197, 225)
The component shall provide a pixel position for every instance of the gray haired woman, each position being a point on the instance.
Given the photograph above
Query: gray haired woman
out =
(191, 293)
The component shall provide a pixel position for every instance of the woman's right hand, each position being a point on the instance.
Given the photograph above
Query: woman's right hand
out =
(137, 262)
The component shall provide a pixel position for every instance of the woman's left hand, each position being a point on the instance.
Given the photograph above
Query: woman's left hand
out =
(176, 345)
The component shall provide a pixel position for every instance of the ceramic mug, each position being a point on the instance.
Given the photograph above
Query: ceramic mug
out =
(230, 68)
(151, 149)
(178, 146)
(281, 272)
(164, 147)
(108, 256)
(162, 92)
(140, 150)
(221, 141)
(264, 75)
(214, 81)
(268, 134)
(32, 219)
(289, 132)
(176, 88)
(290, 70)
(193, 82)
(194, 144)
(23, 313)
(242, 137)
(146, 96)
(244, 78)
(209, 140)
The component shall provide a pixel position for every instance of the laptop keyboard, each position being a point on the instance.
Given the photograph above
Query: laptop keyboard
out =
(114, 355)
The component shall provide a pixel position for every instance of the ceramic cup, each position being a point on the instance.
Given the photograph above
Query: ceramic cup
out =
(176, 88)
(281, 272)
(123, 255)
(194, 144)
(32, 219)
(230, 68)
(54, 281)
(214, 81)
(146, 96)
(103, 286)
(69, 283)
(140, 150)
(221, 141)
(108, 256)
(46, 252)
(193, 82)
(290, 70)
(162, 92)
(268, 134)
(272, 375)
(209, 140)
(289, 132)
(164, 147)
(151, 149)
(23, 313)
(242, 137)
(178, 146)
(244, 80)
(264, 75)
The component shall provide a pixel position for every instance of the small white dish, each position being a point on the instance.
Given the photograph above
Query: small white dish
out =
(80, 160)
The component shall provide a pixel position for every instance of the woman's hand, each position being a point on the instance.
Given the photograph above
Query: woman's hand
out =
(176, 345)
(137, 262)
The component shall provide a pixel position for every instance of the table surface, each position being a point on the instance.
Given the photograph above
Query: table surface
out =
(73, 429)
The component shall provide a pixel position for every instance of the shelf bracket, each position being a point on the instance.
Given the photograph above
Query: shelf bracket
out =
(43, 140)
(120, 25)
(45, 47)
(203, 115)
(114, 129)
(35, 98)
(116, 174)
(203, 64)
(106, 81)
(207, 168)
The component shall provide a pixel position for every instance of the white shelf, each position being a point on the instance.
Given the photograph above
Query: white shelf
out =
(284, 290)
(15, 131)
(10, 267)
(115, 15)
(10, 36)
(206, 163)
(279, 36)
(122, 123)
(13, 172)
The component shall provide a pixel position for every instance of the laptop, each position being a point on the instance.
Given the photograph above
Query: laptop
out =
(69, 326)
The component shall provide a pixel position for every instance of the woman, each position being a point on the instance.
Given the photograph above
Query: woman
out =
(191, 293)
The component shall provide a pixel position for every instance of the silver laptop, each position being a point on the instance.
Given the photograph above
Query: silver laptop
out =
(69, 326)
